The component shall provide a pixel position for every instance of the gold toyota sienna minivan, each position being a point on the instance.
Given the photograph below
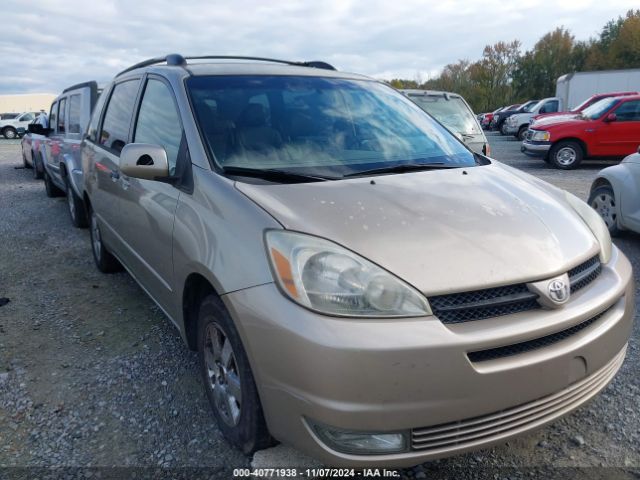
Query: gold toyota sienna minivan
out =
(357, 282)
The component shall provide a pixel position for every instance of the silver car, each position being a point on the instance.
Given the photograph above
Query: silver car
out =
(615, 195)
(356, 281)
(453, 112)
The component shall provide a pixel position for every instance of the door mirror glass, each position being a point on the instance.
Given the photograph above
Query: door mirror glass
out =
(38, 129)
(145, 161)
(610, 118)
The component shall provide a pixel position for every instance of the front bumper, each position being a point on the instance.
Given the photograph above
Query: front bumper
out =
(415, 375)
(535, 149)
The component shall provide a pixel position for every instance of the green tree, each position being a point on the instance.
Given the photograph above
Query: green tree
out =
(538, 69)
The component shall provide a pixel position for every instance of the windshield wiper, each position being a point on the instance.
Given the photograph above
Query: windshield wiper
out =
(405, 167)
(274, 174)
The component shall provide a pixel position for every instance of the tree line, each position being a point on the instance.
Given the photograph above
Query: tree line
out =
(504, 75)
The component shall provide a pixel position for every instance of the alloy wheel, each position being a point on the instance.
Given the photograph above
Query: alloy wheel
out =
(605, 205)
(96, 241)
(566, 156)
(223, 374)
(71, 203)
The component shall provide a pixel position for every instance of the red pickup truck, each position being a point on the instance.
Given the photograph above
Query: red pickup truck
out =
(608, 128)
(587, 103)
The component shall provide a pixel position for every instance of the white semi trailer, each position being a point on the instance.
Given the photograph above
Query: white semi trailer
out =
(574, 88)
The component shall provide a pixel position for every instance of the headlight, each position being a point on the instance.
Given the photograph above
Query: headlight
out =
(540, 136)
(595, 224)
(330, 279)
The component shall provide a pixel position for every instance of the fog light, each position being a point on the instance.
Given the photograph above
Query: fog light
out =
(363, 443)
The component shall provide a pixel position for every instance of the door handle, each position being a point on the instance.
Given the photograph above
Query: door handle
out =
(115, 175)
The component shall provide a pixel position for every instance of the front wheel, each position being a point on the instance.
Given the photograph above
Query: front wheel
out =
(228, 379)
(603, 201)
(105, 261)
(77, 210)
(566, 155)
(50, 187)
(10, 133)
(37, 168)
(503, 129)
(522, 132)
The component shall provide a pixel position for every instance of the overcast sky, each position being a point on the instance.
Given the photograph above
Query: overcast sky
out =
(46, 45)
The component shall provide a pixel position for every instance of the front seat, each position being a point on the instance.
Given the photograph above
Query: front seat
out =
(253, 132)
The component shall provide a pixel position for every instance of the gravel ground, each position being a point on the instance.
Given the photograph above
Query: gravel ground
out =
(93, 375)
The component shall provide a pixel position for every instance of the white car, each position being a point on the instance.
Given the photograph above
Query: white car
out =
(615, 195)
(13, 127)
(518, 123)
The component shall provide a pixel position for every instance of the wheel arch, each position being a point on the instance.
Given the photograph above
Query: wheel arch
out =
(196, 287)
(579, 141)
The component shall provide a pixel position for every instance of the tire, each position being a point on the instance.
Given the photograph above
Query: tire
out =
(105, 261)
(240, 420)
(77, 209)
(10, 133)
(37, 168)
(50, 187)
(566, 155)
(503, 128)
(24, 160)
(522, 132)
(603, 201)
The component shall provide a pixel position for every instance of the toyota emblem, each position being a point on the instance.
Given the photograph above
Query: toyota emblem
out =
(558, 291)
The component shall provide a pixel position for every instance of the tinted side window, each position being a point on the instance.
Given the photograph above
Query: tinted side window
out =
(74, 114)
(61, 107)
(53, 115)
(117, 119)
(92, 131)
(550, 107)
(628, 112)
(159, 122)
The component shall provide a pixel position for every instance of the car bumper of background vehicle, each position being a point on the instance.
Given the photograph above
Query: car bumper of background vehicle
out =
(535, 149)
(509, 129)
(415, 375)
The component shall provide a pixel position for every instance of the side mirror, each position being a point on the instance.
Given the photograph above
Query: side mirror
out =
(38, 129)
(145, 161)
(610, 118)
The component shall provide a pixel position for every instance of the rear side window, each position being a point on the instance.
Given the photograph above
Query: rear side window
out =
(117, 119)
(159, 121)
(53, 115)
(61, 125)
(74, 114)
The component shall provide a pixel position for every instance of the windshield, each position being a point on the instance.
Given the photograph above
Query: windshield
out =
(599, 108)
(316, 126)
(589, 101)
(453, 113)
(527, 107)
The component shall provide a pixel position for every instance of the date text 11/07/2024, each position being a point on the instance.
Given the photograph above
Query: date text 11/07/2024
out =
(315, 473)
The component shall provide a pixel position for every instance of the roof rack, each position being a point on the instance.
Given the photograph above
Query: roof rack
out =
(178, 60)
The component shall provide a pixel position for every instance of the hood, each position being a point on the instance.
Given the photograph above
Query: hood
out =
(567, 118)
(440, 230)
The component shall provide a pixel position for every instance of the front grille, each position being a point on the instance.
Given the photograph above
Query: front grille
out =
(507, 300)
(536, 343)
(479, 304)
(495, 426)
(585, 273)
